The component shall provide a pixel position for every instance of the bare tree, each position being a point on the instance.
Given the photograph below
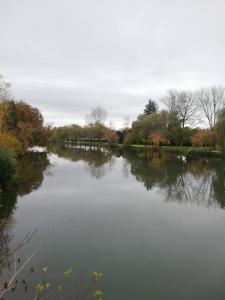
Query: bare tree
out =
(97, 115)
(5, 93)
(212, 101)
(183, 104)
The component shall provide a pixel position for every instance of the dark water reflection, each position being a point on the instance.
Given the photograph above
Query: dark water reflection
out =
(153, 224)
(28, 177)
(194, 181)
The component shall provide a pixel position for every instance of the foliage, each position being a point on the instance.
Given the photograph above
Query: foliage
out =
(151, 107)
(203, 137)
(174, 130)
(80, 290)
(10, 143)
(24, 122)
(122, 133)
(8, 121)
(186, 134)
(30, 129)
(146, 125)
(220, 131)
(7, 166)
(91, 132)
(153, 125)
(157, 138)
(111, 136)
(20, 119)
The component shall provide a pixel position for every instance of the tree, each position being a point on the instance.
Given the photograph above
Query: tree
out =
(212, 101)
(97, 115)
(30, 128)
(5, 95)
(203, 137)
(158, 138)
(111, 135)
(183, 104)
(150, 108)
(220, 131)
(144, 126)
(8, 116)
(174, 130)
(10, 143)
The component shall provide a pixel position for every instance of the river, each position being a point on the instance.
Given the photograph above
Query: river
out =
(153, 225)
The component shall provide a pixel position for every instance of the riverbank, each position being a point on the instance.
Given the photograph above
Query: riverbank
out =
(187, 151)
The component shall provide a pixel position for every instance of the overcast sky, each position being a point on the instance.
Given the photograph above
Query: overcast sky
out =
(68, 56)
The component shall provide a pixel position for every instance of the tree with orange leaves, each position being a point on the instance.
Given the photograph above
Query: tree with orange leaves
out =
(111, 135)
(30, 127)
(203, 137)
(157, 138)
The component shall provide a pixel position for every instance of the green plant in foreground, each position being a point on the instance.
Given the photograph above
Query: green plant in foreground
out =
(81, 291)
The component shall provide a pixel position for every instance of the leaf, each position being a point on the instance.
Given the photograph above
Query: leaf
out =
(59, 288)
(45, 269)
(96, 275)
(39, 287)
(67, 272)
(98, 294)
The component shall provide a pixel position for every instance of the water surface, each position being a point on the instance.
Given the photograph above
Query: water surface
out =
(155, 226)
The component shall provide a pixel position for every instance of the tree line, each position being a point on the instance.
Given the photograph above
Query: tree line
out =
(94, 130)
(190, 118)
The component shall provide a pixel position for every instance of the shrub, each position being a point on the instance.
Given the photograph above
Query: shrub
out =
(204, 137)
(7, 166)
(10, 143)
(157, 138)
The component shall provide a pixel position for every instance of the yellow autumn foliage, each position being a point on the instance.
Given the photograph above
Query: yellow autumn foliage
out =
(11, 143)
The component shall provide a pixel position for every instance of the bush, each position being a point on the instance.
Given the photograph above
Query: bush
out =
(10, 143)
(203, 137)
(7, 166)
(157, 138)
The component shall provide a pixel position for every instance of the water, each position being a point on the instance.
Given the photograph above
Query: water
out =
(155, 226)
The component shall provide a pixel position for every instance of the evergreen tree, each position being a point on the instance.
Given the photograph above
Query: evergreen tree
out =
(151, 107)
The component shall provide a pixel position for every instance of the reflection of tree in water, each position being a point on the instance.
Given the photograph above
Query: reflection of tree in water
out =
(197, 181)
(97, 161)
(29, 176)
(218, 182)
(155, 170)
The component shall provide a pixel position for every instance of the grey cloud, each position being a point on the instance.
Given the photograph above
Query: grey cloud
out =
(69, 56)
